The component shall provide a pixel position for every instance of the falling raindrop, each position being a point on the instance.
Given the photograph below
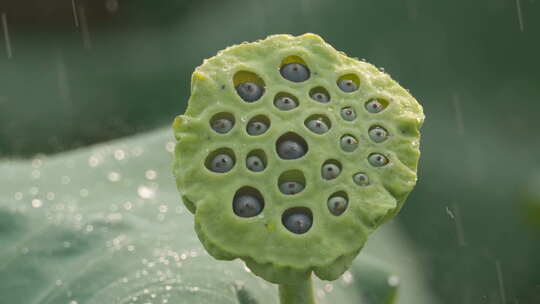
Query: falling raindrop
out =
(169, 146)
(119, 154)
(393, 280)
(150, 174)
(93, 161)
(37, 203)
(146, 192)
(113, 176)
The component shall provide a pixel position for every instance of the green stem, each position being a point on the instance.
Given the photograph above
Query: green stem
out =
(297, 293)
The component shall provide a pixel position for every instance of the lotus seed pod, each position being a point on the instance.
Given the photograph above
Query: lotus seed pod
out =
(284, 238)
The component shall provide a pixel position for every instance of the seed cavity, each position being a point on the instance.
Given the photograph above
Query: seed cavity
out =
(348, 143)
(319, 94)
(330, 169)
(378, 134)
(337, 203)
(376, 105)
(297, 220)
(258, 125)
(377, 160)
(221, 160)
(248, 202)
(222, 122)
(318, 123)
(294, 69)
(348, 83)
(361, 179)
(249, 86)
(256, 161)
(291, 146)
(285, 101)
(291, 182)
(348, 114)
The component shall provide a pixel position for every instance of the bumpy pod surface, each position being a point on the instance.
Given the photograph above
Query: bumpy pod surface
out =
(328, 241)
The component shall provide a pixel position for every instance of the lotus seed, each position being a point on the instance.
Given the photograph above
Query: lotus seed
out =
(347, 85)
(254, 163)
(222, 163)
(249, 91)
(377, 160)
(295, 72)
(317, 126)
(255, 128)
(289, 149)
(297, 223)
(330, 171)
(285, 103)
(291, 188)
(348, 143)
(320, 97)
(222, 125)
(247, 206)
(337, 205)
(374, 106)
(348, 114)
(378, 134)
(361, 179)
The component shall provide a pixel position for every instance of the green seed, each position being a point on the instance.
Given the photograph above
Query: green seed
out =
(295, 72)
(290, 188)
(255, 163)
(374, 106)
(348, 143)
(330, 171)
(317, 126)
(222, 163)
(320, 97)
(247, 206)
(337, 205)
(378, 134)
(289, 149)
(249, 91)
(347, 85)
(348, 114)
(255, 128)
(285, 103)
(377, 160)
(222, 125)
(298, 223)
(361, 179)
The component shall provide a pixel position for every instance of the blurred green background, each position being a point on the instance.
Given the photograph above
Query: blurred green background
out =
(73, 73)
